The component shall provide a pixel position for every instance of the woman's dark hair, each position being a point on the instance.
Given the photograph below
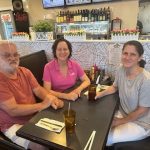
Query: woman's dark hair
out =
(54, 46)
(139, 49)
(142, 63)
(138, 46)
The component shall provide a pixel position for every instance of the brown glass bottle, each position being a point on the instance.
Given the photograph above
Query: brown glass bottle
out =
(92, 92)
(108, 17)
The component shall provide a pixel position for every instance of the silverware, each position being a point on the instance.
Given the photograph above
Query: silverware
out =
(52, 128)
(51, 123)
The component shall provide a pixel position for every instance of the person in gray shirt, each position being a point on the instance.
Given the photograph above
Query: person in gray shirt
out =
(132, 120)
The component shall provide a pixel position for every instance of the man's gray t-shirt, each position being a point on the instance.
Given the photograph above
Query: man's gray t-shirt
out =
(134, 93)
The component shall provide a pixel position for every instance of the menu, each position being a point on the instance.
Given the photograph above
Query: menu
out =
(115, 51)
(77, 2)
(53, 3)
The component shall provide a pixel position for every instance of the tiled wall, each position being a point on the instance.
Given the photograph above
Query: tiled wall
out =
(86, 53)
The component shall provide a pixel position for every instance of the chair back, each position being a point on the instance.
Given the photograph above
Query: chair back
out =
(35, 62)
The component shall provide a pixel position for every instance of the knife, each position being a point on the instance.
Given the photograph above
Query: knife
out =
(51, 123)
(52, 128)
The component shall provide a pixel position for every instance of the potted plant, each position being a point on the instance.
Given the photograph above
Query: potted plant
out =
(44, 30)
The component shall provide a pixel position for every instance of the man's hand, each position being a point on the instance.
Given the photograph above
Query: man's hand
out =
(45, 103)
(54, 101)
(57, 103)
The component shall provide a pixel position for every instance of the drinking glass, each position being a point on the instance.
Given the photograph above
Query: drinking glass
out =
(69, 117)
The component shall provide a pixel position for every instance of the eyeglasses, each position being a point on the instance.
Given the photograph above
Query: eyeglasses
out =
(8, 55)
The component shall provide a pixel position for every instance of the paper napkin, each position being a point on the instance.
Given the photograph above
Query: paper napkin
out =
(50, 124)
(98, 88)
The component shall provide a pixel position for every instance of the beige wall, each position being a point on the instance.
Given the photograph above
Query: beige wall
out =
(126, 10)
(5, 5)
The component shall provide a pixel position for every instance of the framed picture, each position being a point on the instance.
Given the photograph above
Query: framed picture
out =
(116, 24)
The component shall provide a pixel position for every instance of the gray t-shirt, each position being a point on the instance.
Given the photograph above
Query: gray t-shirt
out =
(134, 93)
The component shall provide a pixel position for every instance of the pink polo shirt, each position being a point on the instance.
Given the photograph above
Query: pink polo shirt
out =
(58, 81)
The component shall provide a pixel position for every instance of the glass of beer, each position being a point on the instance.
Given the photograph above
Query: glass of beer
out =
(92, 92)
(69, 117)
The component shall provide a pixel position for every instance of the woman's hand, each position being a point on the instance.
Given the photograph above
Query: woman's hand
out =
(71, 96)
(117, 122)
(110, 90)
(77, 91)
(98, 95)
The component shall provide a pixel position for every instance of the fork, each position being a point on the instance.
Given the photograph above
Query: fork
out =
(52, 128)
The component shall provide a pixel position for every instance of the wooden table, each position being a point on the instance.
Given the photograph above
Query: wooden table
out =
(90, 115)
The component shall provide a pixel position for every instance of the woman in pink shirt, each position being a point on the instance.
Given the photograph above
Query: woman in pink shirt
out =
(62, 73)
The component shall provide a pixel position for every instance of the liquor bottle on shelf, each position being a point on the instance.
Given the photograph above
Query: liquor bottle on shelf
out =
(75, 16)
(89, 15)
(103, 14)
(92, 15)
(71, 16)
(96, 15)
(57, 18)
(60, 17)
(108, 17)
(100, 14)
(64, 17)
(80, 15)
(85, 15)
(67, 16)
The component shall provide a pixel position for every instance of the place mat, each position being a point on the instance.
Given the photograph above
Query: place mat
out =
(98, 88)
(50, 124)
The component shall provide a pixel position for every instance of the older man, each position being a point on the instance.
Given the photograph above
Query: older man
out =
(17, 102)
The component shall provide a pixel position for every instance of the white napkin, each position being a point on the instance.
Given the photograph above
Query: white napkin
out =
(98, 88)
(50, 124)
